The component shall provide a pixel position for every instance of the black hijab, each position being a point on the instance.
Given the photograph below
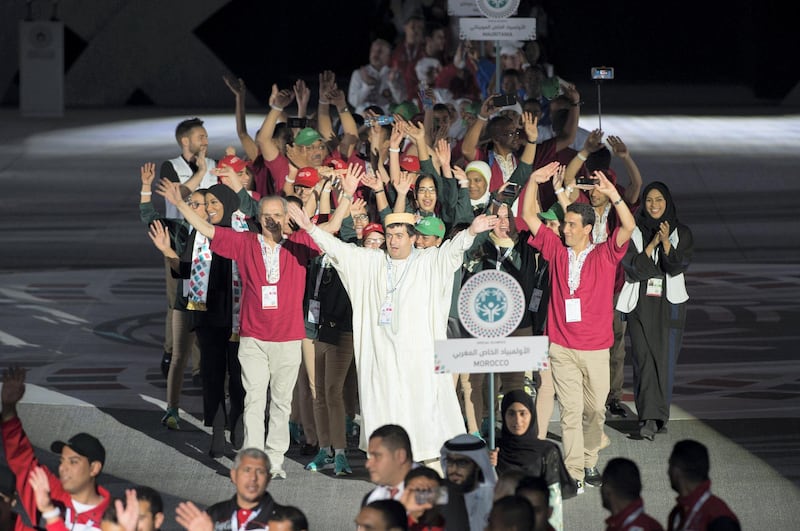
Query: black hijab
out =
(647, 224)
(519, 451)
(229, 200)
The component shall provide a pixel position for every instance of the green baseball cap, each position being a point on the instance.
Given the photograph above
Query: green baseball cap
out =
(307, 136)
(406, 109)
(431, 226)
(555, 213)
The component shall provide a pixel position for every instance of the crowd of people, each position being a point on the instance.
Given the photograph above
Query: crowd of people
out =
(310, 270)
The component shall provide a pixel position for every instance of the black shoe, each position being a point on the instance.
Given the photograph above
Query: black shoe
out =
(217, 442)
(591, 476)
(615, 408)
(648, 430)
(309, 449)
(166, 359)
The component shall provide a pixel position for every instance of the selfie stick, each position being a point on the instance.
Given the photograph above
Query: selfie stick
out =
(599, 111)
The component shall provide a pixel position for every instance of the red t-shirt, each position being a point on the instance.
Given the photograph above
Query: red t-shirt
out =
(596, 292)
(284, 323)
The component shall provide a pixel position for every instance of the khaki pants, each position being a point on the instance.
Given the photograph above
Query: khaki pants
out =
(274, 366)
(581, 381)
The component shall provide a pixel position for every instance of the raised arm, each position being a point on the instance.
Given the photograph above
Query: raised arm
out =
(567, 135)
(278, 100)
(239, 91)
(374, 183)
(349, 127)
(327, 82)
(530, 205)
(530, 124)
(627, 223)
(592, 143)
(171, 192)
(619, 149)
(349, 184)
(473, 134)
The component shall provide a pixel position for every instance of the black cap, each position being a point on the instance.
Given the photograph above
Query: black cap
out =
(83, 444)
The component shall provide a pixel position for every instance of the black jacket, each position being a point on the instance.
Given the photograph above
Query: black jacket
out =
(223, 512)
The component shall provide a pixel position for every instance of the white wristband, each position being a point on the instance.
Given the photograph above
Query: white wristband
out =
(560, 190)
(464, 183)
(288, 180)
(394, 150)
(581, 156)
(276, 108)
(49, 515)
(145, 193)
(323, 102)
(482, 118)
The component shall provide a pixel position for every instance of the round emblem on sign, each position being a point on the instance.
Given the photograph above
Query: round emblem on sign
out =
(491, 304)
(40, 36)
(498, 8)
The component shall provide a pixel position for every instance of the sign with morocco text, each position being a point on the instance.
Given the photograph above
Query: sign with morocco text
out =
(505, 354)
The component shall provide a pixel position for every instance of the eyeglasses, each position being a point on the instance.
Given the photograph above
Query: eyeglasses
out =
(427, 190)
(360, 217)
(374, 241)
(194, 204)
(511, 134)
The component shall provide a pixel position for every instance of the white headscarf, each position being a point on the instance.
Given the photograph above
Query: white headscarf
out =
(484, 169)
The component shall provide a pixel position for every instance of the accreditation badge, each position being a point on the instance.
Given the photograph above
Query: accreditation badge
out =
(269, 297)
(573, 307)
(655, 287)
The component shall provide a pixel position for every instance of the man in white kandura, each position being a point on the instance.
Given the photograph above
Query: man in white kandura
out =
(401, 300)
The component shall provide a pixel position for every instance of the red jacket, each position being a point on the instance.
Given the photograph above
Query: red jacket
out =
(21, 460)
(698, 509)
(632, 517)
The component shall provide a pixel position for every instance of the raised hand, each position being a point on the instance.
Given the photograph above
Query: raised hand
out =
(38, 481)
(229, 177)
(403, 183)
(283, 98)
(128, 514)
(372, 181)
(531, 125)
(327, 82)
(618, 147)
(13, 385)
(543, 174)
(594, 141)
(191, 518)
(299, 216)
(443, 153)
(148, 172)
(604, 186)
(487, 107)
(336, 97)
(350, 179)
(171, 191)
(459, 173)
(558, 177)
(482, 223)
(237, 86)
(159, 236)
(358, 206)
(416, 132)
(296, 156)
(398, 133)
(200, 160)
(302, 93)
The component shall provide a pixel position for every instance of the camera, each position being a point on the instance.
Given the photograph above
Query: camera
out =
(510, 190)
(504, 100)
(585, 181)
(602, 72)
(297, 123)
(436, 496)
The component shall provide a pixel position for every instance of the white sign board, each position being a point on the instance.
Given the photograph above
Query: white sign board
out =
(505, 354)
(41, 68)
(463, 8)
(497, 29)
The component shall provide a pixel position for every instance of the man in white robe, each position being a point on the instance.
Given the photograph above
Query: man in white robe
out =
(401, 301)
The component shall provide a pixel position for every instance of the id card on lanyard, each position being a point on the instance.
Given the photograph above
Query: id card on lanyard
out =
(272, 267)
(572, 305)
(313, 303)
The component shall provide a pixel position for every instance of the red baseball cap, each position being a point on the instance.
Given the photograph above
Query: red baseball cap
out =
(409, 163)
(369, 229)
(234, 162)
(307, 177)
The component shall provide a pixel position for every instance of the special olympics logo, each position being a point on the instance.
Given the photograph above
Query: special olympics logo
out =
(498, 8)
(491, 304)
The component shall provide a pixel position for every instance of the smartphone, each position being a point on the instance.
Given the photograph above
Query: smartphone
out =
(297, 123)
(510, 190)
(504, 100)
(436, 496)
(602, 72)
(585, 180)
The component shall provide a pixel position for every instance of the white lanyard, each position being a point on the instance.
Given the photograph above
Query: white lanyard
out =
(629, 520)
(501, 258)
(575, 267)
(390, 277)
(75, 525)
(272, 262)
(703, 499)
(235, 519)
